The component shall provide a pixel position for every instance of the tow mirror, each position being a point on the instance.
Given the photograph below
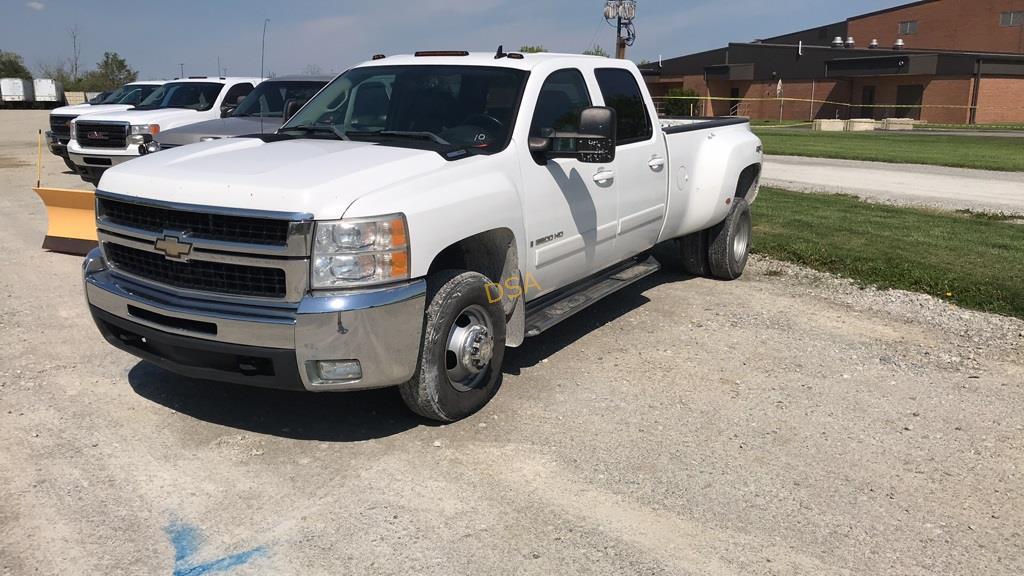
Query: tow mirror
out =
(593, 143)
(290, 108)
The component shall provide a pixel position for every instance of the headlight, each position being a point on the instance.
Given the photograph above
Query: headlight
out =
(74, 129)
(141, 129)
(359, 252)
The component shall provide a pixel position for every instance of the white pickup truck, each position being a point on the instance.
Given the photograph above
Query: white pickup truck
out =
(415, 218)
(119, 100)
(100, 141)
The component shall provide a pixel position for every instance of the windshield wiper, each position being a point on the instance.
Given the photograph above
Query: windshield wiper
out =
(413, 134)
(329, 128)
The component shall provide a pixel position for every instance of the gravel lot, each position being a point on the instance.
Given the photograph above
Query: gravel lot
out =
(902, 184)
(788, 423)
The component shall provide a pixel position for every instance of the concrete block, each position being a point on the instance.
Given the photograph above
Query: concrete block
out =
(898, 124)
(861, 125)
(829, 125)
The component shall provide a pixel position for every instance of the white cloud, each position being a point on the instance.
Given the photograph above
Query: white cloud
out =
(34, 5)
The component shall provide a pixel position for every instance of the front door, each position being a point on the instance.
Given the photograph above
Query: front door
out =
(571, 206)
(867, 100)
(640, 164)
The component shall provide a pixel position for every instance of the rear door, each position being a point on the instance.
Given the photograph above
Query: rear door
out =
(640, 164)
(571, 206)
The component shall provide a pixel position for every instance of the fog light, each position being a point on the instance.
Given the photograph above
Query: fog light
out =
(339, 370)
(153, 147)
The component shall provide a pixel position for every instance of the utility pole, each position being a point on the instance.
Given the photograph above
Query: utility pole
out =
(623, 12)
(182, 66)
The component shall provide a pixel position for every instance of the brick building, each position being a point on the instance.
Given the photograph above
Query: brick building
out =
(942, 61)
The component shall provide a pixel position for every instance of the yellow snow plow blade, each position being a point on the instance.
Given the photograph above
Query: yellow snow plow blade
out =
(72, 219)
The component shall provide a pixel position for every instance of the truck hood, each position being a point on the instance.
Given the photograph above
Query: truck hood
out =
(169, 117)
(79, 109)
(218, 127)
(314, 176)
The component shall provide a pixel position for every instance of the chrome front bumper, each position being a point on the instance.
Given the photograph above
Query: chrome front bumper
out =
(271, 346)
(58, 148)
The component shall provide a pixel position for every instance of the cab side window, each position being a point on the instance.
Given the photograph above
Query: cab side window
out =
(562, 97)
(622, 93)
(237, 93)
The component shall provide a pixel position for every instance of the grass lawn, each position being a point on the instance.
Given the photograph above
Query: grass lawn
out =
(973, 261)
(984, 152)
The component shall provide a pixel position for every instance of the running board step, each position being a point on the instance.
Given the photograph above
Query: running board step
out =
(567, 305)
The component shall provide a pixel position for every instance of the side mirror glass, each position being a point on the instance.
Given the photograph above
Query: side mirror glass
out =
(290, 108)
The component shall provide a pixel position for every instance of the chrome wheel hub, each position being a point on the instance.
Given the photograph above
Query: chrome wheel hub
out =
(470, 348)
(741, 241)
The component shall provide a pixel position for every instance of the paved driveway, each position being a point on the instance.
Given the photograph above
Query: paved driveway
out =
(934, 186)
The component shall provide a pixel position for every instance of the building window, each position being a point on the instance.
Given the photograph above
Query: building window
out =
(1009, 19)
(908, 27)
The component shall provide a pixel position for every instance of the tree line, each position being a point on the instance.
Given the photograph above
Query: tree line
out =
(111, 72)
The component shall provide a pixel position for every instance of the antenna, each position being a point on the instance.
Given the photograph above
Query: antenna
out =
(500, 53)
(263, 47)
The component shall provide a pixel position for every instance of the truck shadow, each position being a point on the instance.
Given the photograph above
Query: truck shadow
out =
(348, 417)
(535, 350)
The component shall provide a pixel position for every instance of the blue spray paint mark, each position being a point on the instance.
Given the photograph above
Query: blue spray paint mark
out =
(186, 538)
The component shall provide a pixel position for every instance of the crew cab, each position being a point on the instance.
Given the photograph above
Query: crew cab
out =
(262, 111)
(108, 139)
(416, 217)
(119, 100)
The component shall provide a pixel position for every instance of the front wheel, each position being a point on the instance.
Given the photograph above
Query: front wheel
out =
(462, 350)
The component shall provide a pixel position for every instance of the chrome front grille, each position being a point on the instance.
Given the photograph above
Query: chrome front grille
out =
(101, 134)
(206, 252)
(223, 227)
(216, 277)
(61, 125)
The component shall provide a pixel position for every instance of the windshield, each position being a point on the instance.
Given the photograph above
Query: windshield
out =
(190, 95)
(268, 98)
(445, 107)
(131, 94)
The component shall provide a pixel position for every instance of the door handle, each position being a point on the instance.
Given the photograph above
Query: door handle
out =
(656, 163)
(604, 176)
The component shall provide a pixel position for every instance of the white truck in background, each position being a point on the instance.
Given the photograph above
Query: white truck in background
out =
(415, 218)
(119, 100)
(99, 141)
(16, 92)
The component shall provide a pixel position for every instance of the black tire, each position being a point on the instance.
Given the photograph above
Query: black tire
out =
(71, 165)
(693, 253)
(729, 242)
(456, 297)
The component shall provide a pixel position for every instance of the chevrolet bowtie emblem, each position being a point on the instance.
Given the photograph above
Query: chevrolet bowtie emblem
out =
(173, 248)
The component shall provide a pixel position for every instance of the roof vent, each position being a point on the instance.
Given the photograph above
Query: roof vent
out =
(837, 42)
(874, 44)
(899, 44)
(850, 43)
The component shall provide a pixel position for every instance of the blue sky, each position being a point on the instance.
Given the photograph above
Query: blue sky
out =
(155, 36)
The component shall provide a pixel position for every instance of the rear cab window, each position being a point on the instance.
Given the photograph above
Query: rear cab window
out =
(621, 92)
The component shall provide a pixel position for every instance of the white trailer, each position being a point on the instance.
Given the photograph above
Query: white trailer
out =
(16, 92)
(48, 92)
